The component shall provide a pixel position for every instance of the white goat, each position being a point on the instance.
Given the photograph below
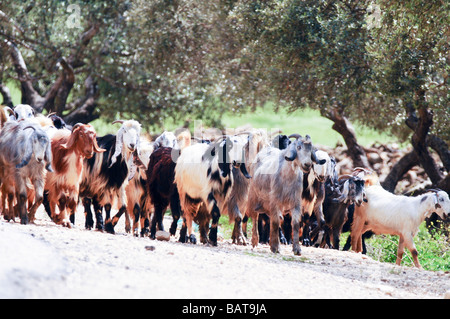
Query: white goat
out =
(166, 139)
(386, 213)
(22, 112)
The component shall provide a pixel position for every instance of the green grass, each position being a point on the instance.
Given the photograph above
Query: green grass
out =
(16, 94)
(303, 122)
(433, 249)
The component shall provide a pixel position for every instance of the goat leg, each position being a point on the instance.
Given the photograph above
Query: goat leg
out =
(238, 236)
(89, 222)
(109, 225)
(296, 216)
(215, 213)
(38, 198)
(274, 239)
(136, 215)
(157, 215)
(98, 214)
(176, 211)
(183, 232)
(22, 205)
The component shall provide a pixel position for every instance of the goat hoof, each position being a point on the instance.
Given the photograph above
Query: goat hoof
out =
(173, 230)
(144, 232)
(275, 250)
(192, 239)
(109, 228)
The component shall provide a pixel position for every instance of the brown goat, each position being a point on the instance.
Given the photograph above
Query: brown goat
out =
(69, 151)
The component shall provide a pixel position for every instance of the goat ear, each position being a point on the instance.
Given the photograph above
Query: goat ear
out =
(291, 153)
(72, 138)
(315, 159)
(244, 172)
(118, 148)
(48, 157)
(26, 158)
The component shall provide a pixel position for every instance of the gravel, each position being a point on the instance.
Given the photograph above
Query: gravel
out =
(44, 260)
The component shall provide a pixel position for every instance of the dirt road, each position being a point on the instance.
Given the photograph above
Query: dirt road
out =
(48, 261)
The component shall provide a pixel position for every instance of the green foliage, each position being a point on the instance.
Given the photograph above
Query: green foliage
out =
(408, 54)
(433, 249)
(310, 53)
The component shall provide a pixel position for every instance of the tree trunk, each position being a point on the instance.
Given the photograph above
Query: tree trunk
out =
(84, 108)
(55, 98)
(4, 91)
(29, 94)
(440, 146)
(398, 170)
(444, 184)
(419, 140)
(344, 127)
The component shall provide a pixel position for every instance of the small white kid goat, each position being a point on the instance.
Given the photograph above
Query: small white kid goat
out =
(386, 213)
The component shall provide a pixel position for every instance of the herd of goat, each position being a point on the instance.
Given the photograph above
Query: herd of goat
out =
(290, 189)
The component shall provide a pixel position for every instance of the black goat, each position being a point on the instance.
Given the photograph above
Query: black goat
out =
(162, 189)
(338, 198)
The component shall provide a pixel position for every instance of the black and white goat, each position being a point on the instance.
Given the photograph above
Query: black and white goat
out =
(204, 181)
(105, 175)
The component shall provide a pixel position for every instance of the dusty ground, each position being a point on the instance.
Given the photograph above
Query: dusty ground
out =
(48, 261)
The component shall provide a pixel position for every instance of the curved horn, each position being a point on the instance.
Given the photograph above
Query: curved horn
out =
(297, 136)
(344, 177)
(50, 114)
(118, 121)
(357, 170)
(242, 133)
(434, 190)
(76, 126)
(220, 138)
(9, 110)
(29, 126)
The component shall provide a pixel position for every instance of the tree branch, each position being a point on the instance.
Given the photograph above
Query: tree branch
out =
(4, 91)
(400, 168)
(343, 127)
(85, 112)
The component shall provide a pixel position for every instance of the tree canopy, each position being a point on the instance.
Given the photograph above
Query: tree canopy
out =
(382, 63)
